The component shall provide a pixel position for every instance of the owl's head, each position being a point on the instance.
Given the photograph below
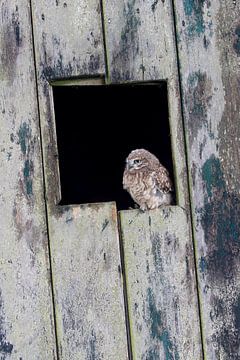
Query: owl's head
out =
(140, 159)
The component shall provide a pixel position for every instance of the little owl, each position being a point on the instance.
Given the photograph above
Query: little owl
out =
(147, 180)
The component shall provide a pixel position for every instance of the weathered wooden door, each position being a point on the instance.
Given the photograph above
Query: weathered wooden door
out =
(84, 239)
(86, 281)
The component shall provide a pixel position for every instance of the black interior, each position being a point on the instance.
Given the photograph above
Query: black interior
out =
(97, 126)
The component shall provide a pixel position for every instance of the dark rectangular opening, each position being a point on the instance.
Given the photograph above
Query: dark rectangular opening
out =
(97, 127)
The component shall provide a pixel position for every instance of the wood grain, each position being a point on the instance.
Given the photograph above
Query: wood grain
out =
(26, 308)
(160, 284)
(88, 285)
(87, 278)
(208, 44)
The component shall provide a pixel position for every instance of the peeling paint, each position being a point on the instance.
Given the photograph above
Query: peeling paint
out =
(128, 47)
(221, 223)
(202, 265)
(194, 11)
(158, 331)
(61, 68)
(27, 173)
(6, 347)
(156, 251)
(11, 41)
(105, 224)
(212, 176)
(236, 311)
(154, 5)
(26, 145)
(199, 96)
(16, 27)
(92, 354)
(227, 336)
(24, 134)
(236, 43)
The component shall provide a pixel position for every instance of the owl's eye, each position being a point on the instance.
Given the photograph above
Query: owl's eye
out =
(137, 161)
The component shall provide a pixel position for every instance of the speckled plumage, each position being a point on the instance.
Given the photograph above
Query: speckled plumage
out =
(147, 180)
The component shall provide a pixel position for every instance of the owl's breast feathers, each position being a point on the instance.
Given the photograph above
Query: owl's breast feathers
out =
(150, 188)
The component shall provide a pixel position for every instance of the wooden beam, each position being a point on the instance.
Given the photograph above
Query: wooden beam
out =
(161, 287)
(26, 308)
(208, 36)
(87, 277)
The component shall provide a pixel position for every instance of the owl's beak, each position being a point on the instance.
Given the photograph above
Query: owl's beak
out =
(129, 164)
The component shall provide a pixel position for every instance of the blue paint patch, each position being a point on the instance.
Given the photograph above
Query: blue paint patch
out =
(221, 224)
(195, 24)
(194, 11)
(16, 27)
(220, 221)
(236, 43)
(6, 347)
(158, 332)
(199, 96)
(27, 173)
(202, 265)
(168, 347)
(92, 354)
(228, 335)
(155, 315)
(212, 176)
(236, 311)
(23, 136)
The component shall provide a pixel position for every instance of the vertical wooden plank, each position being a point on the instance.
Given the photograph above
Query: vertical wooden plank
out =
(26, 311)
(160, 284)
(208, 44)
(84, 242)
(68, 44)
(88, 283)
(140, 46)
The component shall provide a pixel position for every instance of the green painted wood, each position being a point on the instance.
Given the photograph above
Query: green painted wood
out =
(160, 284)
(26, 308)
(87, 278)
(140, 46)
(208, 36)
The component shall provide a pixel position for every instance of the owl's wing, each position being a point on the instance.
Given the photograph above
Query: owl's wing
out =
(125, 180)
(163, 181)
